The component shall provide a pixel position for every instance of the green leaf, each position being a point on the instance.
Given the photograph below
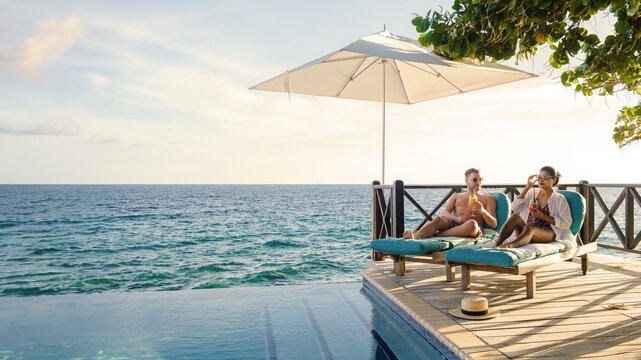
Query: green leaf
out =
(609, 40)
(616, 137)
(457, 5)
(424, 39)
(592, 39)
(564, 77)
(633, 7)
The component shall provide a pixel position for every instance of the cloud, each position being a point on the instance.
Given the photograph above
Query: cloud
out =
(96, 80)
(53, 126)
(52, 40)
(101, 139)
(144, 145)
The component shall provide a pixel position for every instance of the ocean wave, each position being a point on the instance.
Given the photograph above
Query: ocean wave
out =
(270, 276)
(97, 281)
(281, 243)
(45, 251)
(28, 291)
(208, 268)
(50, 273)
(8, 224)
(211, 286)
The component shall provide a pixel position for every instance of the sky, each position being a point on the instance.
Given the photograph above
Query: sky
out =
(122, 92)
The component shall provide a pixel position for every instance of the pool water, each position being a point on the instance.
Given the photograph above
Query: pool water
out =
(330, 321)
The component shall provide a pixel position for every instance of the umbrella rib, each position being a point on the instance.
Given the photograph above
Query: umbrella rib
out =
(346, 58)
(351, 78)
(436, 73)
(398, 72)
(367, 67)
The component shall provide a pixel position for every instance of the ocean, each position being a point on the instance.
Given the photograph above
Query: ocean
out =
(65, 239)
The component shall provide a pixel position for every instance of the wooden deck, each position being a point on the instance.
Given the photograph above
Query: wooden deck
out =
(568, 319)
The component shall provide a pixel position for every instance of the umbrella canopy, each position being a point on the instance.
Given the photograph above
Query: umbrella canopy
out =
(389, 68)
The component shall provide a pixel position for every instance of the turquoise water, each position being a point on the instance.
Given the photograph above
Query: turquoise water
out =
(329, 321)
(84, 239)
(57, 239)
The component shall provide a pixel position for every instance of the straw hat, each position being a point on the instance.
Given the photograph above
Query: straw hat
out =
(474, 308)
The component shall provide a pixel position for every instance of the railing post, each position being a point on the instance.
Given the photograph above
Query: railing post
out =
(629, 218)
(398, 210)
(378, 209)
(588, 224)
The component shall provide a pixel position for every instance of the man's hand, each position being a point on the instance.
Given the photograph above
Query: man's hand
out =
(477, 206)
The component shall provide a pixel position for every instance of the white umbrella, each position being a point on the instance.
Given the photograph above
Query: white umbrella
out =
(389, 68)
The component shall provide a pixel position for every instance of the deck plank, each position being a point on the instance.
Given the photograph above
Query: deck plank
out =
(567, 319)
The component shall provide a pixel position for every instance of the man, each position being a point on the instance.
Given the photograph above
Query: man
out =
(461, 216)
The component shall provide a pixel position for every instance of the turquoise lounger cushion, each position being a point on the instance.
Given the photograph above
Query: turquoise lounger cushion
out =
(502, 210)
(409, 247)
(428, 246)
(503, 257)
(577, 208)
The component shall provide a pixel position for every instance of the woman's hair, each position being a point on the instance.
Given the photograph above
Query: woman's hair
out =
(555, 174)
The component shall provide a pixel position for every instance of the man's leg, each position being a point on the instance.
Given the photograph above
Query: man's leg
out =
(439, 223)
(468, 229)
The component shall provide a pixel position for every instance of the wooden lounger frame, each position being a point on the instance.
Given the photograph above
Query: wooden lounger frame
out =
(527, 268)
(399, 260)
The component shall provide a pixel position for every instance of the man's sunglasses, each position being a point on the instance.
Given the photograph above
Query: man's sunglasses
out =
(544, 177)
(477, 179)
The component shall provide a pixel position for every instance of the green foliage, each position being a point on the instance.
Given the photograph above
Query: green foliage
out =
(501, 29)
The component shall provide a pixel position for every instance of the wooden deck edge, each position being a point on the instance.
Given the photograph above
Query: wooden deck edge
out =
(457, 340)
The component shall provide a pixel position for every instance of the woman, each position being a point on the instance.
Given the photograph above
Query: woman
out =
(545, 220)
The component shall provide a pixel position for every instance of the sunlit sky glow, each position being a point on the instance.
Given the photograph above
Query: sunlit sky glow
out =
(103, 92)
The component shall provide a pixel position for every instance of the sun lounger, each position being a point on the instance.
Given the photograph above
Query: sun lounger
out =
(526, 259)
(432, 250)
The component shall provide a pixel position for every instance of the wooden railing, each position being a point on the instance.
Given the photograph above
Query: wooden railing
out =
(388, 209)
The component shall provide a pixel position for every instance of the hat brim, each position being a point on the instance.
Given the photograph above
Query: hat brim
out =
(491, 313)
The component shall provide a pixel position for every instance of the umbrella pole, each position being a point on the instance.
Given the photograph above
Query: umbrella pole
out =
(383, 167)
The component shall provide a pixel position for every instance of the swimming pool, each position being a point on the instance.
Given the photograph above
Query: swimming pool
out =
(330, 321)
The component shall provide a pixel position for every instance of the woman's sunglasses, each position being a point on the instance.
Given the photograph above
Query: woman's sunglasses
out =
(544, 177)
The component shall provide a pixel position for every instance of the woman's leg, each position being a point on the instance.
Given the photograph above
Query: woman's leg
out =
(540, 235)
(513, 223)
(531, 234)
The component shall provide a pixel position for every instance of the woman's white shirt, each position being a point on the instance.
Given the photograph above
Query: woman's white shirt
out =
(559, 210)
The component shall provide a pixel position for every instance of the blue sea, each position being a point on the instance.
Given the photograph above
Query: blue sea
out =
(65, 239)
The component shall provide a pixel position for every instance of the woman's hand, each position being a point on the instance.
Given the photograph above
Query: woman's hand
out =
(531, 180)
(539, 214)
